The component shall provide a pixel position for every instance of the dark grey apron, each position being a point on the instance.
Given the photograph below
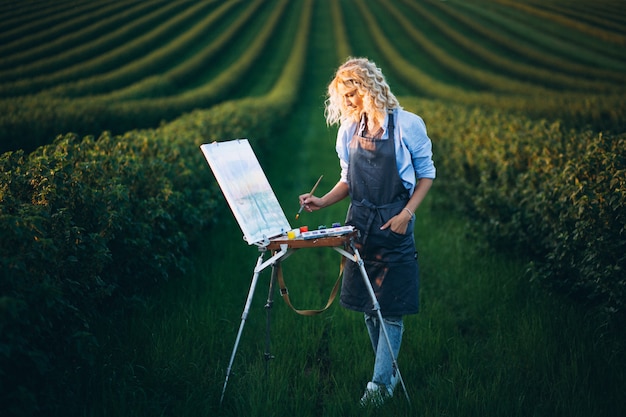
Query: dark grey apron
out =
(377, 194)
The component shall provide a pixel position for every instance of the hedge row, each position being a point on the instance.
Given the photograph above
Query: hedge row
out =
(74, 33)
(469, 39)
(541, 41)
(26, 121)
(111, 52)
(28, 24)
(169, 81)
(554, 194)
(84, 223)
(559, 18)
(487, 79)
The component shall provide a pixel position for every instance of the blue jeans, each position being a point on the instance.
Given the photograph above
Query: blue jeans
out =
(383, 365)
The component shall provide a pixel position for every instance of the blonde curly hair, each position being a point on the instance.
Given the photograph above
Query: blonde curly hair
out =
(370, 85)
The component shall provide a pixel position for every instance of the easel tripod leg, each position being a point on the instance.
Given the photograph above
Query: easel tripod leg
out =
(244, 316)
(268, 313)
(368, 285)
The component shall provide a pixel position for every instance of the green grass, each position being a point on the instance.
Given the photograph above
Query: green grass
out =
(486, 343)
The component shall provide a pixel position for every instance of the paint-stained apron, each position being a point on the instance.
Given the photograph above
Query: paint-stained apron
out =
(377, 194)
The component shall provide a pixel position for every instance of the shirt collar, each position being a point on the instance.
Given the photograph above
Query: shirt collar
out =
(361, 124)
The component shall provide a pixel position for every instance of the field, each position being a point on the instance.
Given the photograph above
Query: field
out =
(124, 65)
(124, 275)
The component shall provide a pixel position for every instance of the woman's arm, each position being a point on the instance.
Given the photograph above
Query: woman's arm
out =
(400, 221)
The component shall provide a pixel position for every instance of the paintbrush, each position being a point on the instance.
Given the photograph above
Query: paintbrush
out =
(311, 193)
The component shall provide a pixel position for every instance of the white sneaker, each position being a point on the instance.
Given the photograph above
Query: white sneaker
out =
(374, 395)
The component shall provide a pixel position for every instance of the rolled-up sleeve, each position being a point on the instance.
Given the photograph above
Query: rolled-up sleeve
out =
(342, 147)
(419, 145)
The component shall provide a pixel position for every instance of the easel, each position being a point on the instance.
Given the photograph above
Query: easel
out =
(264, 224)
(282, 248)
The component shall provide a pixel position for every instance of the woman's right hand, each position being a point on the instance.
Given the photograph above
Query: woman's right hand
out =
(310, 202)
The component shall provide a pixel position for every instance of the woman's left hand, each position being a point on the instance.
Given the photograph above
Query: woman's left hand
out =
(398, 223)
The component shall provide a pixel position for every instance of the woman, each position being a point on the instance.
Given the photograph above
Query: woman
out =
(387, 169)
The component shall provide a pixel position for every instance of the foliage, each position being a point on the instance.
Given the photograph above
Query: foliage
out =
(555, 194)
(86, 224)
(578, 204)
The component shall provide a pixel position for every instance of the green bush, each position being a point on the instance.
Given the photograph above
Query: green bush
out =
(579, 209)
(86, 227)
(534, 187)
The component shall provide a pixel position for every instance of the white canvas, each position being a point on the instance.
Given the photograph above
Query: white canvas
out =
(247, 190)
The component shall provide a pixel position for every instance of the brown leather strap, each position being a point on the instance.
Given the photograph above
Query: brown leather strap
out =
(285, 293)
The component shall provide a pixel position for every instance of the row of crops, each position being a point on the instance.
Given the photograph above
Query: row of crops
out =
(124, 65)
(523, 102)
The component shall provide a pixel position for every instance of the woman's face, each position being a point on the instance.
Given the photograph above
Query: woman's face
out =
(351, 100)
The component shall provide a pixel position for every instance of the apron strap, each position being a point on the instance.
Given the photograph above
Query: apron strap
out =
(285, 293)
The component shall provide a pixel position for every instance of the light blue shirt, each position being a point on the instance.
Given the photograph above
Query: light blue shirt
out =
(414, 155)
